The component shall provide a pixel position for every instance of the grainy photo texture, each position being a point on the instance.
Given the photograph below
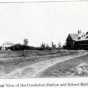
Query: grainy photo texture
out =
(43, 39)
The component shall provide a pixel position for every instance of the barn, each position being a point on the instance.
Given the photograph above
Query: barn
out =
(76, 41)
(71, 40)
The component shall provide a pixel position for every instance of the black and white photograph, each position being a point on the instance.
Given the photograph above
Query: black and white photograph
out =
(43, 39)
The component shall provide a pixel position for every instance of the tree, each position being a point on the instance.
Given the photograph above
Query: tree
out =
(25, 42)
(53, 45)
(48, 47)
(79, 31)
(43, 46)
(59, 45)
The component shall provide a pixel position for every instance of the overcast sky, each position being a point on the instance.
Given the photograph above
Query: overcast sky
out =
(41, 21)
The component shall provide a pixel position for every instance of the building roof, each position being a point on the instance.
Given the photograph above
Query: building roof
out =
(74, 36)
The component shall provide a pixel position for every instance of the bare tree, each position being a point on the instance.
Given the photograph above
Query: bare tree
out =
(47, 46)
(42, 45)
(59, 45)
(53, 45)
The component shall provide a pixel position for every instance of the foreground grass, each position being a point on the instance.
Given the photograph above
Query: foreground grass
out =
(18, 59)
(72, 68)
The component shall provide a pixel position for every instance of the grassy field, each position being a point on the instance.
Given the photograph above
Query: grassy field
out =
(12, 60)
(77, 67)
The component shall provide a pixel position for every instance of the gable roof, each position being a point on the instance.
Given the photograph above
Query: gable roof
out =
(74, 36)
(77, 37)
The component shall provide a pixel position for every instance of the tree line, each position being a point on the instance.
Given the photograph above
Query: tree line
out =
(25, 46)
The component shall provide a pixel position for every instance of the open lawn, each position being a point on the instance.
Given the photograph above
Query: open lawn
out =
(77, 67)
(34, 63)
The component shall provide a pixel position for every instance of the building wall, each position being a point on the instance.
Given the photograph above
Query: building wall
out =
(70, 43)
(82, 44)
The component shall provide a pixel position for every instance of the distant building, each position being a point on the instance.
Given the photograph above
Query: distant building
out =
(70, 41)
(5, 45)
(76, 41)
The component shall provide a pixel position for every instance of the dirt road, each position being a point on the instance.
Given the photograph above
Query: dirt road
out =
(33, 71)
